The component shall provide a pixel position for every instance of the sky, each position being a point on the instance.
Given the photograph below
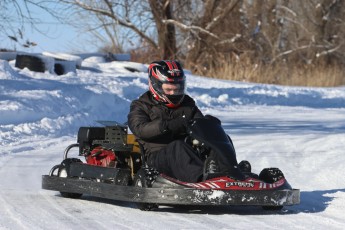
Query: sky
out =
(51, 36)
(300, 130)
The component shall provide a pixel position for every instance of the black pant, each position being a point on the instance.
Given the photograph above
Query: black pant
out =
(178, 160)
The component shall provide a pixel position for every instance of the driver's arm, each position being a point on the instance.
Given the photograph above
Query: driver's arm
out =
(141, 125)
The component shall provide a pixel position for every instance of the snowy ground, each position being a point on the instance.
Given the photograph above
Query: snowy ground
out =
(300, 130)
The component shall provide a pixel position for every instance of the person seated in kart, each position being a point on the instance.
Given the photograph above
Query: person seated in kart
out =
(159, 118)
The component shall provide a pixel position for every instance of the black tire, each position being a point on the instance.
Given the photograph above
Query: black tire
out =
(245, 166)
(59, 69)
(64, 172)
(140, 181)
(33, 63)
(271, 175)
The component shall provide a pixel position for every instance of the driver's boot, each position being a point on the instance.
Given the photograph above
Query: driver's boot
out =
(211, 168)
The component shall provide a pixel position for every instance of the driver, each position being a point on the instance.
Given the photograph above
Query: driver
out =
(159, 118)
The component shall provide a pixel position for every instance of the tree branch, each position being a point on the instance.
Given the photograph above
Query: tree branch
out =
(190, 28)
(219, 18)
(112, 15)
(325, 52)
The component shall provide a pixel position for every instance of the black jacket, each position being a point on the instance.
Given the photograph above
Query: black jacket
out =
(147, 116)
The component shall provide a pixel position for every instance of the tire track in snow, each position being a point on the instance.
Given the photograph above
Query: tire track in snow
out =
(10, 214)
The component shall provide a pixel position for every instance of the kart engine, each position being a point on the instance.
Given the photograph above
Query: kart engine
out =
(101, 157)
(103, 146)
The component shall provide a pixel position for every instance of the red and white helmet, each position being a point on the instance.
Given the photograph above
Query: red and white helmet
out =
(167, 72)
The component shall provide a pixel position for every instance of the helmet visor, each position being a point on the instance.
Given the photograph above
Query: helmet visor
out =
(173, 88)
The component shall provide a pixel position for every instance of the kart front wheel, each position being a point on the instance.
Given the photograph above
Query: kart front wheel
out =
(271, 175)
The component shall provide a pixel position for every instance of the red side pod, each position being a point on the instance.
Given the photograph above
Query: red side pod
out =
(101, 157)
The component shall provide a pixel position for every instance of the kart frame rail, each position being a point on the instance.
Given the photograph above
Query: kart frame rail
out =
(177, 196)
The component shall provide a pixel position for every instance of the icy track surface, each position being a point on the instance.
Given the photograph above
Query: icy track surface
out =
(300, 130)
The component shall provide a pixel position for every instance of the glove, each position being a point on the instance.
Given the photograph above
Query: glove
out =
(177, 125)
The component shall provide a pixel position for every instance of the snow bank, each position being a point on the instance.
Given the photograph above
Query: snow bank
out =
(8, 56)
(6, 71)
(59, 57)
(109, 56)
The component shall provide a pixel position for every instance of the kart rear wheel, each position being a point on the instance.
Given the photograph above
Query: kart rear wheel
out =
(140, 181)
(63, 172)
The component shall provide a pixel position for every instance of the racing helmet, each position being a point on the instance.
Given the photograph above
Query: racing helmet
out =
(171, 73)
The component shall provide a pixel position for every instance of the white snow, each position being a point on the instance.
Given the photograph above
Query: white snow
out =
(64, 56)
(301, 130)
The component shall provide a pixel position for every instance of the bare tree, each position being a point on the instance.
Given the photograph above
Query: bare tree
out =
(104, 34)
(14, 14)
(297, 31)
(144, 19)
(12, 17)
(159, 23)
(210, 34)
(162, 10)
(130, 15)
(209, 31)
